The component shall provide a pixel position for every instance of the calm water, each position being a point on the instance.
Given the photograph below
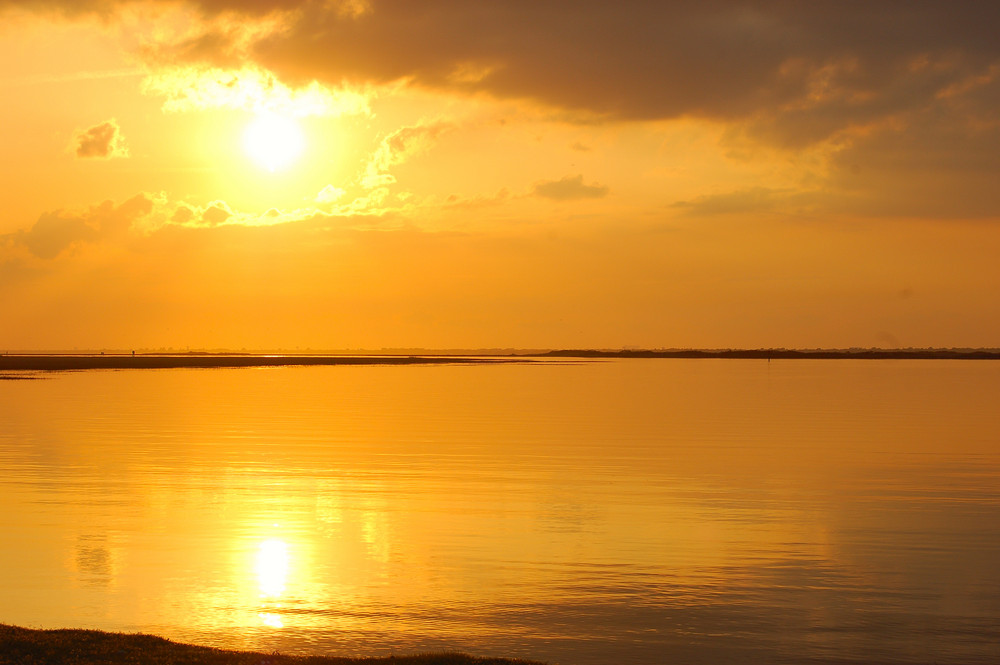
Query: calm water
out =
(641, 511)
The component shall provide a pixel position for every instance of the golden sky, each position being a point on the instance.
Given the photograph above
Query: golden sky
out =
(388, 173)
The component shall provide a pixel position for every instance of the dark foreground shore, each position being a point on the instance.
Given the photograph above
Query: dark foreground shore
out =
(143, 361)
(24, 646)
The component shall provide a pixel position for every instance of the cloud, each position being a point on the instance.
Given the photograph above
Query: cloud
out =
(570, 188)
(904, 91)
(217, 212)
(102, 141)
(796, 76)
(330, 194)
(397, 148)
(209, 7)
(794, 73)
(145, 216)
(822, 67)
(943, 162)
(479, 201)
(55, 232)
(194, 88)
(183, 214)
(754, 200)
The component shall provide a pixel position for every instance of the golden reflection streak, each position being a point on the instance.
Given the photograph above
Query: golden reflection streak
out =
(271, 619)
(272, 574)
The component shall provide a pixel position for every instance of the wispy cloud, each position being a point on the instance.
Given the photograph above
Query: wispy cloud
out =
(755, 200)
(40, 79)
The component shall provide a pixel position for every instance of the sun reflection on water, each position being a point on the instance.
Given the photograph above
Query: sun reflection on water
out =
(272, 574)
(271, 619)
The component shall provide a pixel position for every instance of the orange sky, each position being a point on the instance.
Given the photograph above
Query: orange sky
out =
(517, 174)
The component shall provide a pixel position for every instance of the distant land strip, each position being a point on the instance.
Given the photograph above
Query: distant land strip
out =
(21, 646)
(55, 362)
(762, 354)
(67, 361)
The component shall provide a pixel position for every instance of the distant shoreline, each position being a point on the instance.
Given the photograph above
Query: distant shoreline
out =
(785, 354)
(209, 360)
(57, 362)
(95, 647)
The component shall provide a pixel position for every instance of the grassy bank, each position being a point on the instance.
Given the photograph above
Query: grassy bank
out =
(24, 646)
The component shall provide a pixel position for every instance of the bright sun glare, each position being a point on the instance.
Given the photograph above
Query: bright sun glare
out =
(273, 141)
(272, 567)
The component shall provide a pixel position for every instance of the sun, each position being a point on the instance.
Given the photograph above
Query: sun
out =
(273, 141)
